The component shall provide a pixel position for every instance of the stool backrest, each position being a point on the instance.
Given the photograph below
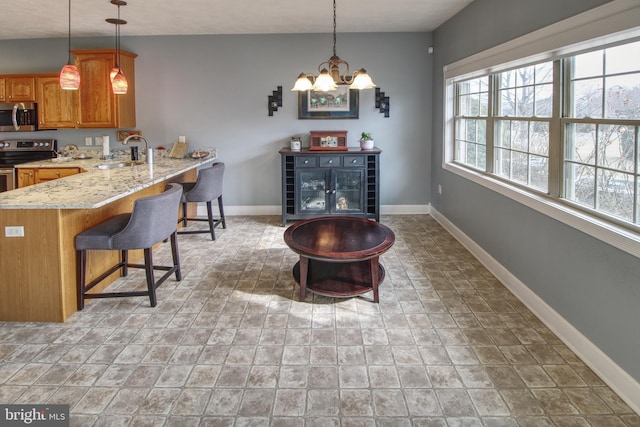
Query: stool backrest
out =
(153, 219)
(209, 183)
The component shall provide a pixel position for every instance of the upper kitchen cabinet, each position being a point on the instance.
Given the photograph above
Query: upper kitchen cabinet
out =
(56, 107)
(19, 88)
(97, 106)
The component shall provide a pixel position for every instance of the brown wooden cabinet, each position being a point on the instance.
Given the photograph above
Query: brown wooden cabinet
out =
(30, 176)
(18, 88)
(26, 177)
(56, 107)
(97, 106)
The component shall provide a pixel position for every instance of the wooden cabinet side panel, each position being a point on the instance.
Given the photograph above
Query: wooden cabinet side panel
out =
(126, 104)
(30, 267)
(2, 90)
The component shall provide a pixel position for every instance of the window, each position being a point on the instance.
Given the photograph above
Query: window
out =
(505, 126)
(471, 122)
(601, 131)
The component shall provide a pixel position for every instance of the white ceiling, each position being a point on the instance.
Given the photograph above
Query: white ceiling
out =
(24, 19)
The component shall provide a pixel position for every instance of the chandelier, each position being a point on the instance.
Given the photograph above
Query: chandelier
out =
(334, 72)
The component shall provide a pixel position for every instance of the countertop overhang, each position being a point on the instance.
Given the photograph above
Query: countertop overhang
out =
(94, 187)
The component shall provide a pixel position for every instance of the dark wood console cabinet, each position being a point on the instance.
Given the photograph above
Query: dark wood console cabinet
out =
(330, 183)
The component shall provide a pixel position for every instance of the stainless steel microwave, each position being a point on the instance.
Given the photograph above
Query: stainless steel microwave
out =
(18, 116)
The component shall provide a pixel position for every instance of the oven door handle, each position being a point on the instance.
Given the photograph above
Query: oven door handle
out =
(14, 117)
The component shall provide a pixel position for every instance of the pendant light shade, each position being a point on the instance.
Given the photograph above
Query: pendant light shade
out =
(69, 75)
(119, 84)
(303, 83)
(324, 81)
(362, 80)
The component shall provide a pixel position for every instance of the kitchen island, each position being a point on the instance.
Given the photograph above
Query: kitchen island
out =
(37, 251)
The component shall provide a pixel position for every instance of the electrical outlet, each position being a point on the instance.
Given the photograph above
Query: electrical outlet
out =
(439, 189)
(14, 231)
(88, 140)
(98, 140)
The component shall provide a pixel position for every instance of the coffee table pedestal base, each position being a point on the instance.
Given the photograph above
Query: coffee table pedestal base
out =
(341, 280)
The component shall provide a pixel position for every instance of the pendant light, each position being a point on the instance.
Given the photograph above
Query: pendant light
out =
(69, 74)
(330, 75)
(119, 84)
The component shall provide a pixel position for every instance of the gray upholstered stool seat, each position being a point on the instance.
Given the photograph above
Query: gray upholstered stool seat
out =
(208, 187)
(152, 220)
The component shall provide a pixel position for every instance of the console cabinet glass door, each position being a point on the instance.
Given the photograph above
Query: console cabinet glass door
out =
(313, 196)
(330, 191)
(348, 191)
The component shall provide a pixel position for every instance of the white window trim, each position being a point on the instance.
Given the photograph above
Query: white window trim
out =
(610, 23)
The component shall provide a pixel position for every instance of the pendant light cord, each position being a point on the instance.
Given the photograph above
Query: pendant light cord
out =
(69, 49)
(118, 40)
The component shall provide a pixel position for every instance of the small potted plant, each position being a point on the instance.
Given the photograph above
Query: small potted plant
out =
(366, 141)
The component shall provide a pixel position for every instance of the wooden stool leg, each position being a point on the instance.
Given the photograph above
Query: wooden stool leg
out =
(81, 260)
(151, 285)
(221, 208)
(175, 255)
(212, 226)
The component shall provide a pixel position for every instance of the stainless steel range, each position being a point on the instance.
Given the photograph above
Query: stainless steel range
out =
(17, 151)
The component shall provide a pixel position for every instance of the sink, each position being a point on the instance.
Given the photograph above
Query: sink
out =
(118, 165)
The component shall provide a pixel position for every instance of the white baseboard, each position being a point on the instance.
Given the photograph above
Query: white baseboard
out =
(277, 210)
(612, 374)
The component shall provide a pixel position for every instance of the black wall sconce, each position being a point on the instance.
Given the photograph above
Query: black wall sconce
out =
(275, 100)
(382, 102)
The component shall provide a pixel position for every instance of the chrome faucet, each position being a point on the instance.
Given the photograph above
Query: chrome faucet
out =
(149, 157)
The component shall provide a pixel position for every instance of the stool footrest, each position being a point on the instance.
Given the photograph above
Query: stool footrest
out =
(169, 271)
(104, 275)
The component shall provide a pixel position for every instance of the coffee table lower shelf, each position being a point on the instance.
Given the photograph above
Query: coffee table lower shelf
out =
(340, 280)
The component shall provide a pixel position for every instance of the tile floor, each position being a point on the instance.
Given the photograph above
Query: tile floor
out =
(231, 345)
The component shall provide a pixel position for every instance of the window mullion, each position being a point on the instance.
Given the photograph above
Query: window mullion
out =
(490, 135)
(556, 132)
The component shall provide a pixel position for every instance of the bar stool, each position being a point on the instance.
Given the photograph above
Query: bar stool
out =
(207, 188)
(152, 220)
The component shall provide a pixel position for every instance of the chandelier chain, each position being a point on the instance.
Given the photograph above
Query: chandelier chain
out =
(334, 27)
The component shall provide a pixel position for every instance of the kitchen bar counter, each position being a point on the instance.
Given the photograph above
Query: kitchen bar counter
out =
(95, 187)
(38, 225)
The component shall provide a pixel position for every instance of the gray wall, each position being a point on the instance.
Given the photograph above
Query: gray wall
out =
(591, 284)
(213, 90)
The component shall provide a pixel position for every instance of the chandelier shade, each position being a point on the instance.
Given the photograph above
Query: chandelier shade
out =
(69, 74)
(333, 72)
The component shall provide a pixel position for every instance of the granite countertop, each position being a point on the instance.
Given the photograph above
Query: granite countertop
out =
(95, 187)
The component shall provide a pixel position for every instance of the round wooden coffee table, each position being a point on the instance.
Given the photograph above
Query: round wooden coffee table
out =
(339, 256)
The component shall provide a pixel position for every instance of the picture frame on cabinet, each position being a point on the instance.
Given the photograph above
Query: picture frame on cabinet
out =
(341, 103)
